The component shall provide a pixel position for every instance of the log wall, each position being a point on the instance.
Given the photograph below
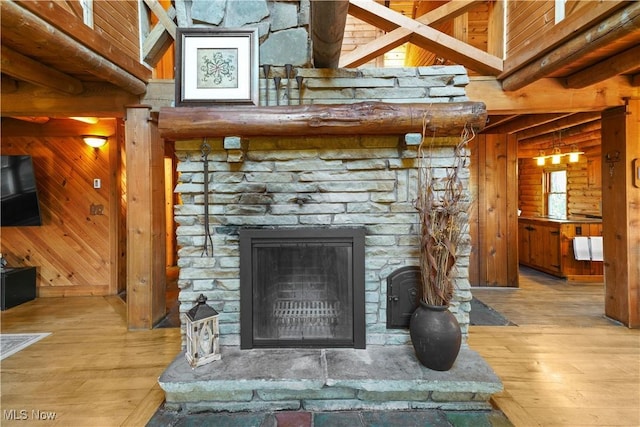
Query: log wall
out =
(584, 188)
(72, 248)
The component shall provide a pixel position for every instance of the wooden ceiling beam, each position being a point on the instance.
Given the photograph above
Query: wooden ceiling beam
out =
(23, 68)
(328, 21)
(622, 63)
(97, 100)
(17, 22)
(57, 127)
(577, 136)
(498, 120)
(623, 22)
(584, 141)
(7, 84)
(391, 40)
(528, 121)
(559, 124)
(550, 96)
(426, 37)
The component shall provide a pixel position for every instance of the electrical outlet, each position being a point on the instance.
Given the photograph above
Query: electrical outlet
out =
(97, 183)
(96, 209)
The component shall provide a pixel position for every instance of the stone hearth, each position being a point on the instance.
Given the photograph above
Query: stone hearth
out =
(377, 378)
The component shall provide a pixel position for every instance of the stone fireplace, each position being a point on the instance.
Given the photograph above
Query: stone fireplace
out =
(297, 237)
(304, 182)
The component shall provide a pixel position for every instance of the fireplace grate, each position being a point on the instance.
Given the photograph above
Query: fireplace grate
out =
(309, 319)
(312, 313)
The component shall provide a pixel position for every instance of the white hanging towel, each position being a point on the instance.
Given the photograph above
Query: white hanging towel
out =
(581, 248)
(595, 246)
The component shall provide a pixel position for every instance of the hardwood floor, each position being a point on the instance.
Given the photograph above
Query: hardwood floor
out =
(563, 365)
(90, 371)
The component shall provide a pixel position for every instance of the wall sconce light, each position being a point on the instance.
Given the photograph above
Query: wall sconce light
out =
(95, 141)
(541, 159)
(574, 154)
(556, 156)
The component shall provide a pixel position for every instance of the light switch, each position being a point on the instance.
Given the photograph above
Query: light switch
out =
(97, 183)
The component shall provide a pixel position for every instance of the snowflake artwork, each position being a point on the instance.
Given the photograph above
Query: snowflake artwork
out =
(217, 68)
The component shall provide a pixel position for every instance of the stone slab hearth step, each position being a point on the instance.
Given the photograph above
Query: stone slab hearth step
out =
(376, 378)
(423, 417)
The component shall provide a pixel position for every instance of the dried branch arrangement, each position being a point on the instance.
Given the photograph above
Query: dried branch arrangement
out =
(443, 207)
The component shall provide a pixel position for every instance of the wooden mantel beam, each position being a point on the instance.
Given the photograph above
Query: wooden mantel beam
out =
(366, 118)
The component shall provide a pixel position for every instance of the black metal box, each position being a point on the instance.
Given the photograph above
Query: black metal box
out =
(18, 286)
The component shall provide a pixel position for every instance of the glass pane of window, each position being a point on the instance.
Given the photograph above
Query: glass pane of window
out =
(557, 194)
(558, 205)
(558, 182)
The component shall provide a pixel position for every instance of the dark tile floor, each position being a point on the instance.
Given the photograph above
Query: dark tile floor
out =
(415, 418)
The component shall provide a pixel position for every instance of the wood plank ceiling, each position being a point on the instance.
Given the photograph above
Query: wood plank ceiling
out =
(600, 42)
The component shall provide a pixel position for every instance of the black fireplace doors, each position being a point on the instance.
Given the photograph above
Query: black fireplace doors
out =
(302, 287)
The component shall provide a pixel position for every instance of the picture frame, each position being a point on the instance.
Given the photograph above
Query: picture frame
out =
(216, 66)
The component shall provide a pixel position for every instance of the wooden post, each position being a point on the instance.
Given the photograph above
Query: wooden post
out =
(494, 216)
(621, 212)
(146, 276)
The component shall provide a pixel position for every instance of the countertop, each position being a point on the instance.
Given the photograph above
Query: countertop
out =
(570, 220)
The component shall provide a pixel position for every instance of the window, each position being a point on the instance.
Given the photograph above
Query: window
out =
(555, 187)
(559, 10)
(87, 12)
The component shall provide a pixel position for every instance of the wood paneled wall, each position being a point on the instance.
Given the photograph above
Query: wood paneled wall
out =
(72, 248)
(118, 22)
(584, 188)
(358, 33)
(529, 21)
(526, 21)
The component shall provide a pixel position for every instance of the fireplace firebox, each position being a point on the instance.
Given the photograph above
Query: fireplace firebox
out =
(302, 287)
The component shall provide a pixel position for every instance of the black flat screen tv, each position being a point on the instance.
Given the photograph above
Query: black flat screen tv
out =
(20, 205)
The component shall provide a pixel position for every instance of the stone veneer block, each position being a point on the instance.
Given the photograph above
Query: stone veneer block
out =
(296, 40)
(283, 15)
(413, 139)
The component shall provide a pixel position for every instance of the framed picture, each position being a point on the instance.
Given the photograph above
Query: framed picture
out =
(216, 66)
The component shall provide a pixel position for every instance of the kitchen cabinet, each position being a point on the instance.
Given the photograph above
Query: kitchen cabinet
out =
(547, 245)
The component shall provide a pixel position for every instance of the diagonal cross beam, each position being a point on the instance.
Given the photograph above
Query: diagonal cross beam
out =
(422, 35)
(399, 36)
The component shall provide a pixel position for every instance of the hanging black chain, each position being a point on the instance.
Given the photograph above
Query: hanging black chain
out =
(208, 240)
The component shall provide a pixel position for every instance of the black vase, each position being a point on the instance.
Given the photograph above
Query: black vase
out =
(436, 336)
